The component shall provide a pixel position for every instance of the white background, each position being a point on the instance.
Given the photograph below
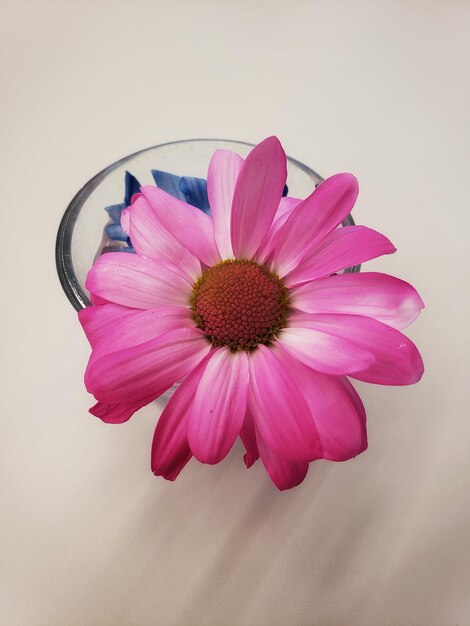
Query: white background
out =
(89, 536)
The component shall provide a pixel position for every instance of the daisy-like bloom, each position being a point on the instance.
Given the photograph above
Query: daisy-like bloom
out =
(244, 309)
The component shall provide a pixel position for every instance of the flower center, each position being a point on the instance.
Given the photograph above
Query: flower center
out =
(239, 304)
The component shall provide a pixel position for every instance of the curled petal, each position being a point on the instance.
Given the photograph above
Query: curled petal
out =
(248, 437)
(219, 406)
(118, 413)
(383, 297)
(284, 474)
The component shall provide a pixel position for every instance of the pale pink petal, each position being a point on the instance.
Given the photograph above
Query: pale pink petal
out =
(98, 320)
(257, 195)
(137, 282)
(219, 406)
(190, 226)
(118, 413)
(280, 412)
(314, 218)
(248, 437)
(170, 448)
(396, 358)
(125, 220)
(151, 239)
(337, 412)
(222, 176)
(144, 325)
(286, 206)
(323, 351)
(146, 369)
(383, 297)
(284, 474)
(344, 247)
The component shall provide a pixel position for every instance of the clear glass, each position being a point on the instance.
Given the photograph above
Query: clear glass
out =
(80, 234)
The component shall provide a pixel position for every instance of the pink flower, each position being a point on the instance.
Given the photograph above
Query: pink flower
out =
(245, 311)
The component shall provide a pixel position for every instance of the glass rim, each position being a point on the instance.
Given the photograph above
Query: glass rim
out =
(63, 248)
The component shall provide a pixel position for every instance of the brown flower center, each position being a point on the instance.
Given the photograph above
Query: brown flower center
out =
(239, 304)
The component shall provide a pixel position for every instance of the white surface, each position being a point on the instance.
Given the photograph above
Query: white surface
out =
(89, 536)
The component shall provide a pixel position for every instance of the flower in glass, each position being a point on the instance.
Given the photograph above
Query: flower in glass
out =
(245, 310)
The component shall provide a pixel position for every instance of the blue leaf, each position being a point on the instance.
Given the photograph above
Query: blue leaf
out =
(169, 183)
(114, 212)
(132, 186)
(115, 232)
(195, 192)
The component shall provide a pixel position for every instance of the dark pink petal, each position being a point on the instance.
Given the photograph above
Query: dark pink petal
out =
(118, 413)
(396, 358)
(190, 226)
(284, 474)
(324, 352)
(248, 437)
(145, 325)
(286, 206)
(222, 176)
(257, 195)
(126, 220)
(383, 297)
(219, 406)
(312, 219)
(280, 412)
(344, 247)
(98, 320)
(151, 239)
(96, 300)
(170, 448)
(337, 412)
(146, 369)
(137, 282)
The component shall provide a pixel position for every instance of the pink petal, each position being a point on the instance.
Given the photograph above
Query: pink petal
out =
(324, 352)
(284, 474)
(219, 406)
(383, 297)
(314, 218)
(118, 413)
(257, 195)
(97, 320)
(126, 220)
(337, 412)
(222, 176)
(148, 369)
(170, 448)
(344, 247)
(135, 281)
(280, 412)
(397, 360)
(151, 239)
(248, 437)
(139, 328)
(190, 226)
(286, 206)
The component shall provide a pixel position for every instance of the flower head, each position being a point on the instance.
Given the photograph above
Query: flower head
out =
(244, 309)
